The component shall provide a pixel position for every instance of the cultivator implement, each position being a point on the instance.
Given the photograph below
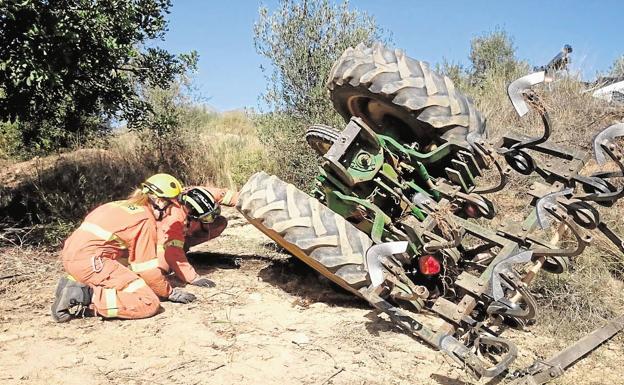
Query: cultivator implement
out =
(398, 215)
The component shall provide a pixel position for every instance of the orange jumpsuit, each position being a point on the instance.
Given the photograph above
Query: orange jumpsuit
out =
(178, 235)
(89, 255)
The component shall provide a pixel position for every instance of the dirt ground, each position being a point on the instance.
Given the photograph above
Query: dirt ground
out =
(270, 321)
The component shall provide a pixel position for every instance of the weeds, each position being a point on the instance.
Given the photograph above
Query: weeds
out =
(283, 135)
(49, 196)
(20, 263)
(576, 302)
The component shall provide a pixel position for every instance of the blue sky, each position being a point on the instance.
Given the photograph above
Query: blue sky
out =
(229, 74)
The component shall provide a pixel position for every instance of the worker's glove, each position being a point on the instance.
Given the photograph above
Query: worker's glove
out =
(181, 296)
(203, 282)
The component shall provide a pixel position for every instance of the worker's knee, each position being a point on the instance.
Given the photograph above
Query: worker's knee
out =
(149, 304)
(152, 308)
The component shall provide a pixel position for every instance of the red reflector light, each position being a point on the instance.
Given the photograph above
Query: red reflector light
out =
(471, 210)
(428, 265)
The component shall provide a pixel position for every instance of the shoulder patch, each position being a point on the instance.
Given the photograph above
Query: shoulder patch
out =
(129, 207)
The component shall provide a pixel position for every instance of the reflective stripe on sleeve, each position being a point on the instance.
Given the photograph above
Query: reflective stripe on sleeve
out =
(134, 286)
(97, 231)
(227, 198)
(111, 302)
(101, 233)
(144, 266)
(172, 243)
(175, 243)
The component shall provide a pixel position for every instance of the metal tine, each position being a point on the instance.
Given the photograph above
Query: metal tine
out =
(516, 90)
(603, 138)
(543, 216)
(374, 255)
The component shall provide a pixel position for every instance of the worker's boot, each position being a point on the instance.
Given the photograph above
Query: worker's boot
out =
(71, 296)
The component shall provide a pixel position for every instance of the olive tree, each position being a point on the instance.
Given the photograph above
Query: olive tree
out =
(301, 40)
(492, 54)
(617, 68)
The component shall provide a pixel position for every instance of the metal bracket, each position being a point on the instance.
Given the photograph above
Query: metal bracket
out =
(374, 255)
(603, 138)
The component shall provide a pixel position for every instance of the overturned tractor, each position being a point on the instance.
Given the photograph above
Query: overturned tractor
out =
(397, 213)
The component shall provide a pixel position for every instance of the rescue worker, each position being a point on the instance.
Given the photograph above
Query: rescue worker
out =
(198, 222)
(201, 227)
(97, 280)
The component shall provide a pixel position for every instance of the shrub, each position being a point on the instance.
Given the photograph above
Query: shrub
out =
(43, 199)
(68, 67)
(302, 40)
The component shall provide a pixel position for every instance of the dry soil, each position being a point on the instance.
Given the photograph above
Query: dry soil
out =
(271, 321)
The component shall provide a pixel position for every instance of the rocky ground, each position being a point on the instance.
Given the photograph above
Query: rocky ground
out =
(270, 321)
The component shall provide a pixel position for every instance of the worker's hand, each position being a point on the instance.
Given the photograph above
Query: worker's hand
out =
(203, 282)
(181, 296)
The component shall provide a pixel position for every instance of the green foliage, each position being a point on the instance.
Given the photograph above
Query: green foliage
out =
(492, 54)
(617, 68)
(283, 135)
(68, 66)
(456, 72)
(159, 135)
(492, 62)
(10, 140)
(302, 40)
(493, 66)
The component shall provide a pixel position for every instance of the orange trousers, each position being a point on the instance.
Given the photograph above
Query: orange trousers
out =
(117, 291)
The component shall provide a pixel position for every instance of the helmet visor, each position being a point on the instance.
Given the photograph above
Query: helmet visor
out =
(208, 217)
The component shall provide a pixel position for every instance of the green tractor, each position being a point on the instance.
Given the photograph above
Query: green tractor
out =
(396, 216)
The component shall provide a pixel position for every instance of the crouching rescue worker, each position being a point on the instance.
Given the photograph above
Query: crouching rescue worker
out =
(199, 221)
(96, 280)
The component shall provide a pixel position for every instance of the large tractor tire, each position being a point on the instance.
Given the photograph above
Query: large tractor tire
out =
(402, 97)
(307, 229)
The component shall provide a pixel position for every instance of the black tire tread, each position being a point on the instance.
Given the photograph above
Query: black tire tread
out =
(408, 84)
(302, 225)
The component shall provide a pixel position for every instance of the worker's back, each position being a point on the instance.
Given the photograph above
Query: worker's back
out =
(113, 229)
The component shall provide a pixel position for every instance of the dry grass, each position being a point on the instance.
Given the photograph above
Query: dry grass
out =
(576, 115)
(25, 264)
(576, 302)
(42, 199)
(221, 150)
